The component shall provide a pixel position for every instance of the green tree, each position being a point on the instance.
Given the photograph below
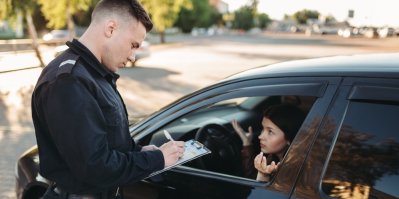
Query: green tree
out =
(263, 20)
(254, 6)
(10, 8)
(59, 13)
(164, 13)
(243, 18)
(5, 6)
(303, 15)
(200, 15)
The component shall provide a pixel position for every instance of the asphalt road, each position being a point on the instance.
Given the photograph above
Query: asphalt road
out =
(183, 65)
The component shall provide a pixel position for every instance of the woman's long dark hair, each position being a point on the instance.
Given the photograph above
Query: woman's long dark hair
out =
(288, 118)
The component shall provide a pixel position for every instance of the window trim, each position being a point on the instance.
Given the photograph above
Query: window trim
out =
(371, 93)
(314, 89)
(219, 176)
(383, 93)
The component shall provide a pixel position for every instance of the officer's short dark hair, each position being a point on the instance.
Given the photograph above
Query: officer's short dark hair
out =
(121, 7)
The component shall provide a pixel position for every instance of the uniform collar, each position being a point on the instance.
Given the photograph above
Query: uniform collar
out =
(90, 59)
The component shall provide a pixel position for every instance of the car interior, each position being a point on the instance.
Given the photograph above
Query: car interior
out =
(211, 125)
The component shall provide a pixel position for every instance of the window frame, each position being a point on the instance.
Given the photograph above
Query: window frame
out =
(301, 86)
(354, 89)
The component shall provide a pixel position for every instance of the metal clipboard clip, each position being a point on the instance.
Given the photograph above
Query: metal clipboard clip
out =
(197, 145)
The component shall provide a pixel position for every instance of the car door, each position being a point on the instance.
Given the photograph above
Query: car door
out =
(187, 181)
(356, 153)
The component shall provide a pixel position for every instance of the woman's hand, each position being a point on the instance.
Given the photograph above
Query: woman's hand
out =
(246, 137)
(261, 165)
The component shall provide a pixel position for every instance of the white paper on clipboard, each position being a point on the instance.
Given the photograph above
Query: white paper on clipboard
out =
(193, 150)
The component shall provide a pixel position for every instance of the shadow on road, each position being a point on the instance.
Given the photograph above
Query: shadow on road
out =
(16, 134)
(147, 89)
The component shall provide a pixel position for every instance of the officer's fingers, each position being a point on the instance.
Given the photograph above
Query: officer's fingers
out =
(180, 150)
(171, 159)
(169, 144)
(179, 143)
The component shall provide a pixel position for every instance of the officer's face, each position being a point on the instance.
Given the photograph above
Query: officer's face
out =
(121, 46)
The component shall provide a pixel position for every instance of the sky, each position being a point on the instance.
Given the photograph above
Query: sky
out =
(366, 12)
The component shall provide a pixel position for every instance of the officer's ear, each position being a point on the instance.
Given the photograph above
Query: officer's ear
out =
(110, 27)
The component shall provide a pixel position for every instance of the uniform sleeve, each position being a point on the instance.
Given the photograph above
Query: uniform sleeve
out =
(79, 131)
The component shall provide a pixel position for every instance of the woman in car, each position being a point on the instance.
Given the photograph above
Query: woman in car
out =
(280, 124)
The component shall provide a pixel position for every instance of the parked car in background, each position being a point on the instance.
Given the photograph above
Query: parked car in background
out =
(349, 32)
(386, 32)
(370, 32)
(317, 29)
(347, 147)
(58, 37)
(143, 51)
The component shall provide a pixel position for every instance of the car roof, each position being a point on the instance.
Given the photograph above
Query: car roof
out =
(364, 65)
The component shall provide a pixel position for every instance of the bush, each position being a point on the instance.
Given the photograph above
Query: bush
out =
(7, 35)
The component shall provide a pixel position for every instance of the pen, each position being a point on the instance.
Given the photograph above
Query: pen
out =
(168, 136)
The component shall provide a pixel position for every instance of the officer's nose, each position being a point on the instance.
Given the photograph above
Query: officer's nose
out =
(132, 57)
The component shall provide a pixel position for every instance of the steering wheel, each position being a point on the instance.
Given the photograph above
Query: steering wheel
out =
(225, 147)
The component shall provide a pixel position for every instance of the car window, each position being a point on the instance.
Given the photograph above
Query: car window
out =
(212, 126)
(365, 158)
(234, 101)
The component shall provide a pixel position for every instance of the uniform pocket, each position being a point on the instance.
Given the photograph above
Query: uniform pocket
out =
(113, 116)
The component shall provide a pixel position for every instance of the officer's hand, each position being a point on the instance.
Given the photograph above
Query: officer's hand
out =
(172, 151)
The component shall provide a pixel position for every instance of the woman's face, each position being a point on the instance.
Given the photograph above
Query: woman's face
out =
(272, 139)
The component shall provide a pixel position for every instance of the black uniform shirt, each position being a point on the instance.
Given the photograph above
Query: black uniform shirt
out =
(82, 128)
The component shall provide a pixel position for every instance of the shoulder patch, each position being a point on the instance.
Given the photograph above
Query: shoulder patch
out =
(69, 61)
(67, 65)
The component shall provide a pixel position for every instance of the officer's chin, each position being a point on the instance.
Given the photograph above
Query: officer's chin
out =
(115, 68)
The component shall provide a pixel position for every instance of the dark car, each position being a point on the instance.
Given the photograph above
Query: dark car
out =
(347, 147)
(57, 37)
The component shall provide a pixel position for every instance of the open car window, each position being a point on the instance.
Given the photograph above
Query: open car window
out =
(211, 125)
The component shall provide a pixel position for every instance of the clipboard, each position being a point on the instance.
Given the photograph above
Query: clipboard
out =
(192, 150)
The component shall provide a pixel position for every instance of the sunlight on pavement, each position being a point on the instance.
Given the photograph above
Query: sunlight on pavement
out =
(15, 96)
(16, 128)
(20, 60)
(143, 99)
(203, 66)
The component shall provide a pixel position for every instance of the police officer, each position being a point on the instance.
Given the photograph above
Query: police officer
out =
(79, 116)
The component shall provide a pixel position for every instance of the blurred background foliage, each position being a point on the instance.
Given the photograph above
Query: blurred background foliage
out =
(201, 14)
(34, 18)
(182, 14)
(164, 13)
